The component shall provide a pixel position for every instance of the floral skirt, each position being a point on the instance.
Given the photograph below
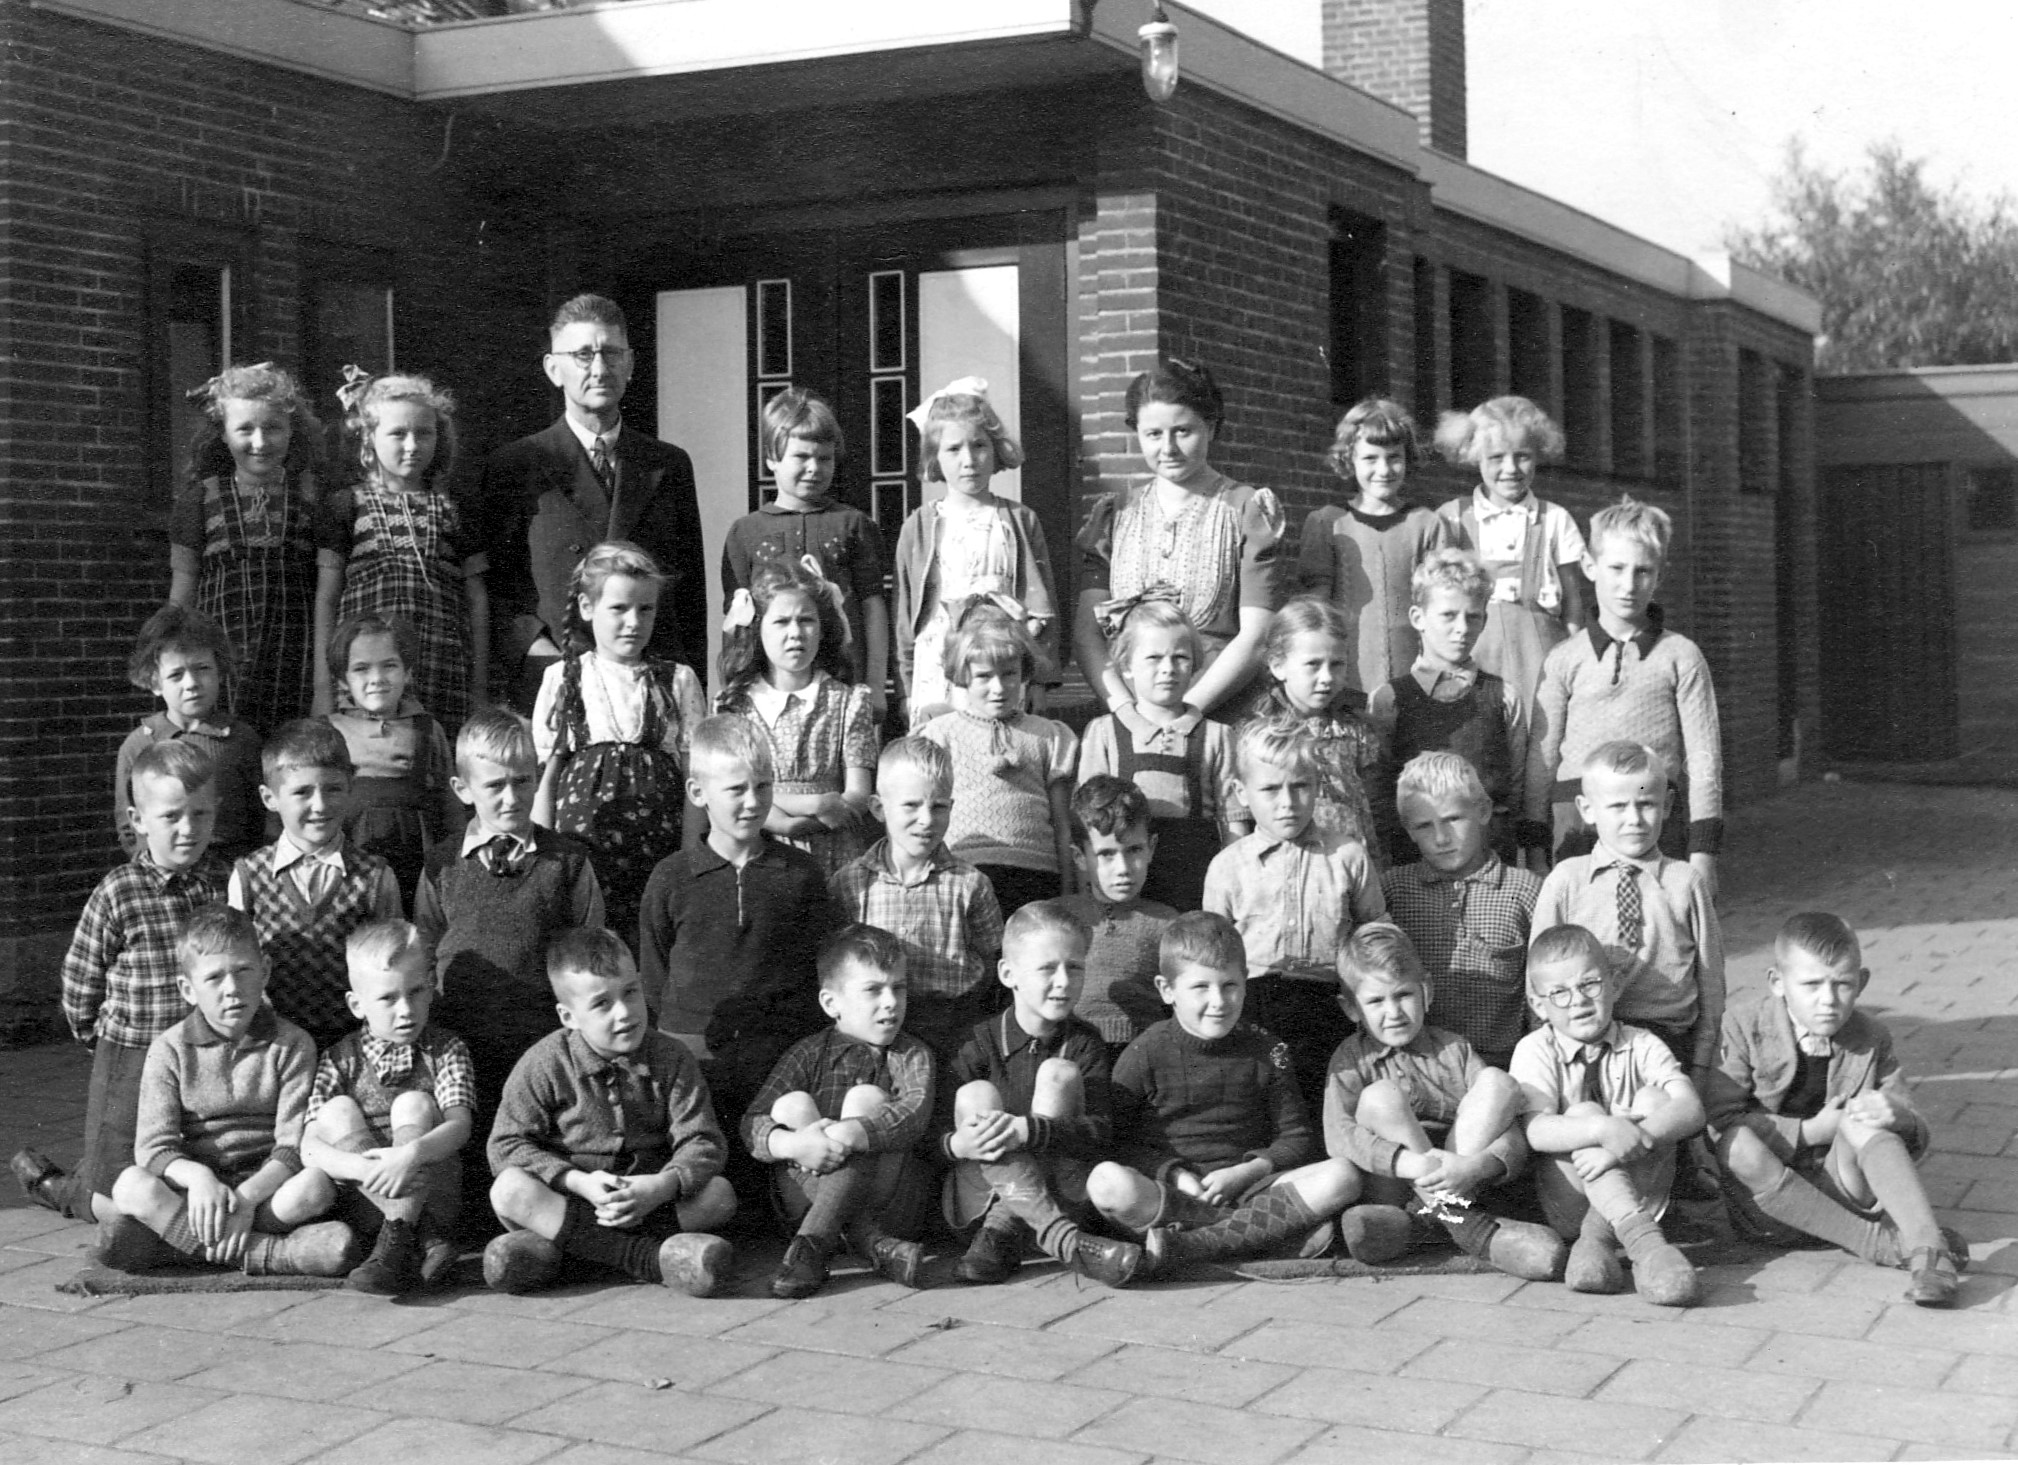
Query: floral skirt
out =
(626, 802)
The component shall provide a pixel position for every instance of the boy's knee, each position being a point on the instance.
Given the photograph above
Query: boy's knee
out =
(862, 1100)
(1328, 1186)
(977, 1097)
(338, 1117)
(512, 1192)
(1110, 1186)
(1748, 1158)
(135, 1188)
(415, 1110)
(795, 1110)
(1497, 1087)
(712, 1208)
(1060, 1089)
(1382, 1103)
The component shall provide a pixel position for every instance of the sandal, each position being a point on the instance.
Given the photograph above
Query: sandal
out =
(1935, 1278)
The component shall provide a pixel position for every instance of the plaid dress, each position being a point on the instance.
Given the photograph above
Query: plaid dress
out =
(822, 732)
(405, 555)
(257, 581)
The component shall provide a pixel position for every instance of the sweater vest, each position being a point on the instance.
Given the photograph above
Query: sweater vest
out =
(1473, 726)
(309, 977)
(491, 960)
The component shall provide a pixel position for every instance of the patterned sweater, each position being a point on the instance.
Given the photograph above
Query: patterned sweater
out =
(1191, 1103)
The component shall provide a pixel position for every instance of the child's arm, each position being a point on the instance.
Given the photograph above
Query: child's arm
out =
(585, 901)
(660, 914)
(543, 798)
(1090, 646)
(766, 1139)
(523, 1134)
(477, 593)
(329, 572)
(1730, 1090)
(1709, 933)
(1314, 560)
(427, 914)
(552, 742)
(94, 946)
(317, 1150)
(692, 1136)
(1368, 903)
(1236, 664)
(1345, 1138)
(1061, 830)
(185, 565)
(1571, 573)
(902, 1122)
(876, 652)
(122, 790)
(386, 904)
(1545, 738)
(447, 818)
(1703, 756)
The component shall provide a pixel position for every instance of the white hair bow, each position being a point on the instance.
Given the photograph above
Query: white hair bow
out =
(965, 386)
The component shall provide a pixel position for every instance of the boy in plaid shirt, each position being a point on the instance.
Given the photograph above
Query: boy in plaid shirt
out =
(120, 977)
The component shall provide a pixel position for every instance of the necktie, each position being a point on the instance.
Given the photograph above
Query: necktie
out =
(501, 857)
(1632, 918)
(1594, 1075)
(317, 879)
(605, 466)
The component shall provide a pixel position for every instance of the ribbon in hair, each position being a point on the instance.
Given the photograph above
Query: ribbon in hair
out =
(965, 386)
(1008, 604)
(1113, 614)
(210, 391)
(355, 380)
(830, 592)
(742, 611)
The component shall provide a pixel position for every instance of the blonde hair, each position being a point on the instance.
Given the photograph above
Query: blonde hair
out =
(1279, 742)
(1644, 524)
(361, 421)
(1623, 756)
(1438, 774)
(733, 739)
(1450, 569)
(1466, 437)
(1381, 949)
(1200, 938)
(964, 410)
(388, 943)
(1563, 944)
(1154, 615)
(497, 735)
(922, 754)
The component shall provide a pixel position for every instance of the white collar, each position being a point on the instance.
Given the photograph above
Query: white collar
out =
(587, 436)
(768, 702)
(475, 837)
(287, 853)
(1483, 505)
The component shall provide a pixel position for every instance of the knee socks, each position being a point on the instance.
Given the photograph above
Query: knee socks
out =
(1888, 1168)
(1022, 1191)
(631, 1252)
(1614, 1201)
(1269, 1219)
(837, 1196)
(1793, 1201)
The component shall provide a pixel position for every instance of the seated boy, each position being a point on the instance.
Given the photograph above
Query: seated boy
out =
(1113, 847)
(1813, 1123)
(491, 898)
(840, 1115)
(1423, 1120)
(1654, 915)
(1215, 1146)
(308, 890)
(182, 657)
(1031, 1114)
(122, 978)
(217, 1174)
(1607, 1105)
(1294, 895)
(1467, 912)
(1446, 703)
(731, 925)
(390, 1109)
(606, 1147)
(940, 908)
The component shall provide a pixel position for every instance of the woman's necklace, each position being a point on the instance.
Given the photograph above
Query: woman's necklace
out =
(636, 734)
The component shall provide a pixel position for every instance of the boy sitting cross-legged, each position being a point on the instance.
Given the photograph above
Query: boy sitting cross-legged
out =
(840, 1115)
(939, 907)
(1813, 1122)
(308, 890)
(1427, 1124)
(1031, 1113)
(1607, 1105)
(1113, 845)
(121, 976)
(1214, 1142)
(391, 1107)
(605, 1147)
(217, 1173)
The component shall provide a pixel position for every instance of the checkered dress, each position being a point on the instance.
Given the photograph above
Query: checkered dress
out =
(257, 582)
(405, 555)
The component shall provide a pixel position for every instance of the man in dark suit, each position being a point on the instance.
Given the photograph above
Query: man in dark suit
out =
(547, 499)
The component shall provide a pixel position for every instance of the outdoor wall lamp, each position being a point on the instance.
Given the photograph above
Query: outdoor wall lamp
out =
(1159, 55)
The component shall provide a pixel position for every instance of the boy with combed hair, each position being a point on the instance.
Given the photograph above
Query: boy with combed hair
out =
(121, 976)
(390, 1108)
(840, 1115)
(1424, 1122)
(940, 908)
(1294, 895)
(1627, 677)
(1607, 1107)
(1214, 1146)
(606, 1147)
(1114, 846)
(217, 1174)
(1813, 1123)
(309, 889)
(1029, 1112)
(1467, 912)
(1447, 703)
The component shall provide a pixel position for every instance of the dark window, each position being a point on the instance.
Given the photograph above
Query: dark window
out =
(1756, 425)
(1993, 499)
(1358, 306)
(199, 287)
(1528, 354)
(1670, 412)
(1471, 345)
(1428, 397)
(1629, 402)
(1583, 409)
(346, 317)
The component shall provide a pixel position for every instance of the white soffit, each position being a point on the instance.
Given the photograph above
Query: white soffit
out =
(321, 42)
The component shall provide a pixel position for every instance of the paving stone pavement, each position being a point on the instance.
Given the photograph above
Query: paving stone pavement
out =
(1802, 1356)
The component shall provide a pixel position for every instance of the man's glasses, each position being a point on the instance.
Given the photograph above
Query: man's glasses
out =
(586, 357)
(1564, 996)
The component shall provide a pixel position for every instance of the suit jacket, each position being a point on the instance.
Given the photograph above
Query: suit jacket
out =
(536, 532)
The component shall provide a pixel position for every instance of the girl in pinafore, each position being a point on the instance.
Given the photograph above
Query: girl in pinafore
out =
(1531, 548)
(611, 727)
(1309, 654)
(401, 801)
(1191, 536)
(973, 543)
(393, 543)
(785, 667)
(242, 536)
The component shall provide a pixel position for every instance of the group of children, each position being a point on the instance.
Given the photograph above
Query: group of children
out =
(1175, 991)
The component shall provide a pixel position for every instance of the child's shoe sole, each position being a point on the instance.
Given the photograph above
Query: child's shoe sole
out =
(520, 1261)
(1664, 1277)
(1528, 1251)
(1593, 1266)
(35, 1172)
(1375, 1234)
(802, 1273)
(126, 1245)
(1936, 1278)
(694, 1263)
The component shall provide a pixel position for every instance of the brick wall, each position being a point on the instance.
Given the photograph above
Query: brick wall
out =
(1409, 52)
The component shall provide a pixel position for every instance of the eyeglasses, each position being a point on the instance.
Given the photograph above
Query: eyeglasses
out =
(1564, 996)
(586, 357)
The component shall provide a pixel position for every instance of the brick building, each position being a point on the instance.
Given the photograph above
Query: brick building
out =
(865, 199)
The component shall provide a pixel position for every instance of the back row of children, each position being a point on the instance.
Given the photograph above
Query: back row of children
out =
(1195, 1144)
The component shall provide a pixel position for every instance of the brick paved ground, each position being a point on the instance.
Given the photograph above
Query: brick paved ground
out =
(1802, 1356)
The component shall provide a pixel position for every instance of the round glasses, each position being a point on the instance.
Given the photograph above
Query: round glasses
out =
(1564, 996)
(585, 358)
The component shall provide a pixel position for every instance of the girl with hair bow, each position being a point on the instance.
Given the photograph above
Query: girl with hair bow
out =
(785, 668)
(972, 543)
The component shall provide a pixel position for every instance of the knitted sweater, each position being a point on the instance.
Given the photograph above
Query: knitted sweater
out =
(231, 1105)
(1002, 777)
(1120, 997)
(1186, 1102)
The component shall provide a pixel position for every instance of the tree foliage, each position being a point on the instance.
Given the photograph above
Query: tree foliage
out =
(1908, 274)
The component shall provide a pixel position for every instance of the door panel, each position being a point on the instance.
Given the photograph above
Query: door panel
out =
(968, 325)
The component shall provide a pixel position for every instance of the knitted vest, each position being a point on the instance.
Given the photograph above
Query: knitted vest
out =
(491, 961)
(304, 946)
(1474, 726)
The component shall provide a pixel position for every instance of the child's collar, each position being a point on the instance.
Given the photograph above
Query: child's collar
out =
(1131, 716)
(779, 505)
(739, 857)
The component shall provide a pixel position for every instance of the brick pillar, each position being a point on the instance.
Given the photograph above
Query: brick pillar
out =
(1409, 52)
(1118, 315)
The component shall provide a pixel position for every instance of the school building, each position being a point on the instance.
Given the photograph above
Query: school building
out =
(866, 199)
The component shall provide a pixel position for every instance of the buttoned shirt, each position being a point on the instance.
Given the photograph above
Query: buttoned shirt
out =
(1675, 975)
(999, 1051)
(587, 436)
(1550, 1068)
(1471, 932)
(1294, 901)
(316, 873)
(119, 976)
(770, 702)
(946, 915)
(1452, 684)
(1434, 1071)
(436, 1063)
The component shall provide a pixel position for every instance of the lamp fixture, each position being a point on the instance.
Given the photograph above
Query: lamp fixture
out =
(1159, 55)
